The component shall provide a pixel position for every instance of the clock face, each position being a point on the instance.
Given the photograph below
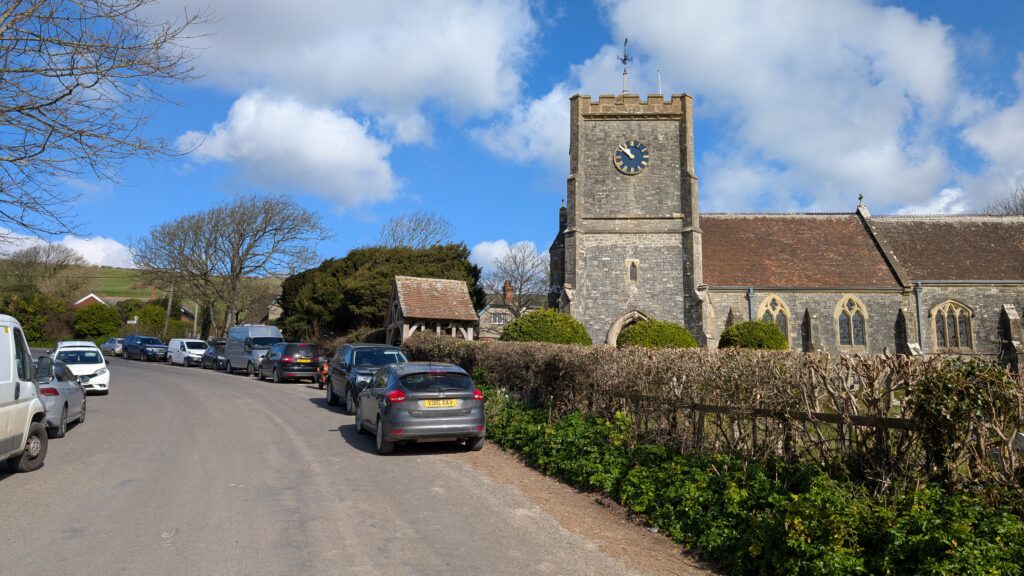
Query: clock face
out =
(631, 157)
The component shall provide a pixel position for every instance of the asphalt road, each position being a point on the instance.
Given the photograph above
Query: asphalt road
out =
(187, 471)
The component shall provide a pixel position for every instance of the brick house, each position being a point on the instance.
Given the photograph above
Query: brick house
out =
(498, 312)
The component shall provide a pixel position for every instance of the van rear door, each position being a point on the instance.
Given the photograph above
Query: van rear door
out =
(16, 393)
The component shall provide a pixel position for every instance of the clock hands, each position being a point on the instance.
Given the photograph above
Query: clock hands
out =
(626, 151)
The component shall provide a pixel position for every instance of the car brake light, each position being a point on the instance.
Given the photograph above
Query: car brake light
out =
(287, 359)
(477, 394)
(49, 391)
(396, 396)
(397, 431)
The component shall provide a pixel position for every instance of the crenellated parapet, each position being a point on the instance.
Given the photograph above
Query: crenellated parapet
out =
(609, 105)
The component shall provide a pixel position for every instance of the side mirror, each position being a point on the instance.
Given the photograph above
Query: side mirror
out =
(44, 369)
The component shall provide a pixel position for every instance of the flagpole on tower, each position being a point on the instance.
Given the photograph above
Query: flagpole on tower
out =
(625, 59)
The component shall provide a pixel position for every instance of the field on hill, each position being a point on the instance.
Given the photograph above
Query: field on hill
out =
(107, 281)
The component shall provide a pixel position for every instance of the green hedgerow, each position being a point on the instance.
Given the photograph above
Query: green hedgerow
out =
(546, 325)
(754, 334)
(656, 334)
(97, 321)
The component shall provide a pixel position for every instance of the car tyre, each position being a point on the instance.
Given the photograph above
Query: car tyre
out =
(249, 370)
(227, 366)
(349, 401)
(475, 444)
(359, 421)
(332, 398)
(277, 376)
(35, 450)
(81, 417)
(61, 429)
(383, 446)
(260, 375)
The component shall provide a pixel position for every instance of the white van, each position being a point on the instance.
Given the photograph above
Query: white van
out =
(22, 415)
(186, 351)
(247, 344)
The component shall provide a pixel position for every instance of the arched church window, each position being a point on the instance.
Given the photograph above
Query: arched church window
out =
(851, 322)
(632, 272)
(774, 310)
(952, 327)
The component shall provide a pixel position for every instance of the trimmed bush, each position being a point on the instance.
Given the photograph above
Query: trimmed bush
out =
(754, 334)
(546, 325)
(97, 321)
(656, 334)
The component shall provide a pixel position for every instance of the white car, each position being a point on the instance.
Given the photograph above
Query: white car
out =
(87, 363)
(186, 351)
(23, 438)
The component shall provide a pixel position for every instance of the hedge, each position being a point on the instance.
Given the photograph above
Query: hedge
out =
(753, 334)
(656, 334)
(546, 325)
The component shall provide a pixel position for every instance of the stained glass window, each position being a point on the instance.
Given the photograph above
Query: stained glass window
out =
(859, 337)
(852, 323)
(964, 329)
(767, 317)
(774, 311)
(783, 325)
(952, 326)
(844, 329)
(940, 330)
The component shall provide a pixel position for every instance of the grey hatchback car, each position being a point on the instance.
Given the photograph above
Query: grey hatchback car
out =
(419, 402)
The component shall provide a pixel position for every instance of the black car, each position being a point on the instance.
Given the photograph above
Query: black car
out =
(287, 360)
(214, 357)
(144, 348)
(352, 368)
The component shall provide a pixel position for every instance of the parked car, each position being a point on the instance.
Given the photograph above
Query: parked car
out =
(113, 347)
(72, 343)
(144, 348)
(62, 394)
(352, 368)
(247, 344)
(23, 438)
(420, 401)
(287, 360)
(213, 357)
(186, 351)
(87, 363)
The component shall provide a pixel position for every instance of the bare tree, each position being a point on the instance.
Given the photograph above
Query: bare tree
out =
(47, 267)
(416, 230)
(523, 273)
(1011, 205)
(210, 255)
(79, 78)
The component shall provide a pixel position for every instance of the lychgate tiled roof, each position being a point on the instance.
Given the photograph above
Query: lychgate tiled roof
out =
(792, 251)
(434, 299)
(955, 247)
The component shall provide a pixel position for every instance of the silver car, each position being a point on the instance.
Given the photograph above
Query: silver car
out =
(113, 347)
(62, 394)
(419, 402)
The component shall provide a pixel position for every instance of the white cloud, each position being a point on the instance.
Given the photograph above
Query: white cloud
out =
(484, 254)
(947, 201)
(282, 144)
(998, 137)
(101, 251)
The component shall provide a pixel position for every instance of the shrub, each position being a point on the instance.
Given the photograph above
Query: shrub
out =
(755, 334)
(546, 325)
(96, 321)
(656, 334)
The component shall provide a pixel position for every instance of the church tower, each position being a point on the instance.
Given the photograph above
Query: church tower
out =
(629, 241)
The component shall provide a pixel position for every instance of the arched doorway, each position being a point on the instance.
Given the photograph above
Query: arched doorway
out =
(623, 322)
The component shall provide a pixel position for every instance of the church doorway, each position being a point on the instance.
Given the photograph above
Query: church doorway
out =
(623, 322)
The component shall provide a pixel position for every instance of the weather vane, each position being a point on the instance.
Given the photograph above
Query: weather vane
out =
(625, 59)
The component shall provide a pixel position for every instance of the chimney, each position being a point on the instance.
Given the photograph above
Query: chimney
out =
(507, 293)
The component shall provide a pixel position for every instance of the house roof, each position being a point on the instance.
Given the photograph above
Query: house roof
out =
(955, 247)
(792, 251)
(88, 296)
(434, 298)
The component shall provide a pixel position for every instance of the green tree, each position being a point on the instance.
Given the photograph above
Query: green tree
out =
(753, 334)
(42, 317)
(97, 321)
(546, 325)
(656, 334)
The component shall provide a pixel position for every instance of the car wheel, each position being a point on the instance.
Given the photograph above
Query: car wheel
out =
(81, 417)
(359, 421)
(383, 446)
(332, 399)
(349, 401)
(475, 444)
(319, 382)
(277, 376)
(35, 450)
(260, 375)
(61, 429)
(227, 366)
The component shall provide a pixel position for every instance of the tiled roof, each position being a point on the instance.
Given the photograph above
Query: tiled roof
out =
(792, 251)
(955, 247)
(434, 299)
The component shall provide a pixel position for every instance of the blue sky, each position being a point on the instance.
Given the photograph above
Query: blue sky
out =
(364, 111)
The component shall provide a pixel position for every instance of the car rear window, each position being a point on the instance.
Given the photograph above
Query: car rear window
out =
(437, 382)
(80, 357)
(196, 345)
(151, 341)
(378, 357)
(301, 350)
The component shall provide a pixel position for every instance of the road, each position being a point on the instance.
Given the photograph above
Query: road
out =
(187, 471)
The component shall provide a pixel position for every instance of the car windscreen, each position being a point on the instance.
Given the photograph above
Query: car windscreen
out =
(378, 357)
(218, 349)
(437, 382)
(301, 350)
(264, 342)
(196, 345)
(150, 342)
(80, 356)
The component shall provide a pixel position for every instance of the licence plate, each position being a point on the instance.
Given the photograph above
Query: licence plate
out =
(303, 360)
(439, 403)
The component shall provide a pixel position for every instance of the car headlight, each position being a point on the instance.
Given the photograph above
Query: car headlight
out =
(100, 372)
(362, 378)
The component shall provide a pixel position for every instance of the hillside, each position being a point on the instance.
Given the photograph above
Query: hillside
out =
(108, 281)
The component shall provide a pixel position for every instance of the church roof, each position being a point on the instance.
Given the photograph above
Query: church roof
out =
(792, 251)
(434, 299)
(955, 247)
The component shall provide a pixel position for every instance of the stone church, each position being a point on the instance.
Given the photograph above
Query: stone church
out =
(633, 245)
